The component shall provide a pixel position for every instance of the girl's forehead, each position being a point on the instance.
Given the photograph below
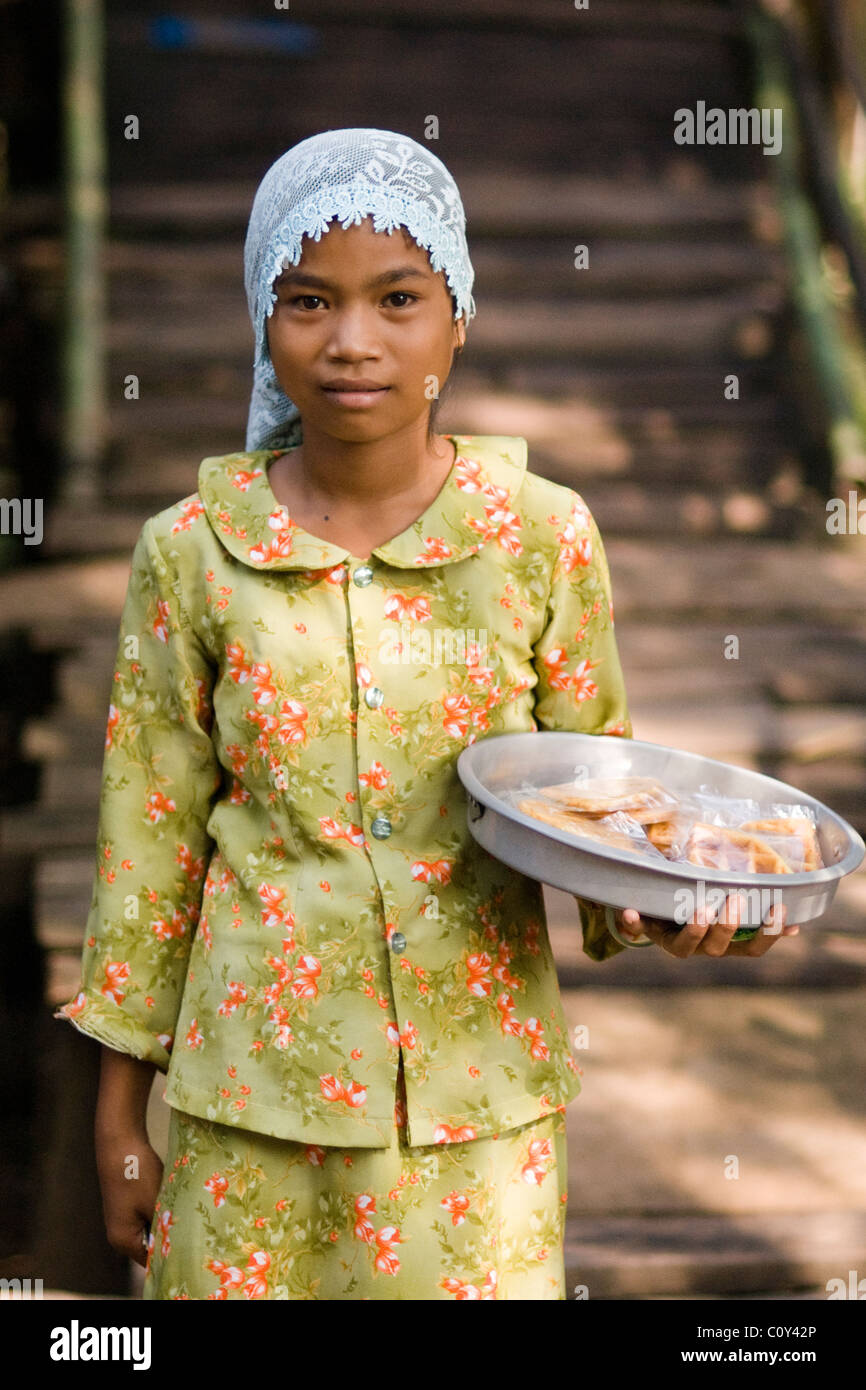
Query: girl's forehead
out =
(357, 237)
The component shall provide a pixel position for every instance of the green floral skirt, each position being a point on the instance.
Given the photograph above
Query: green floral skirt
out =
(244, 1215)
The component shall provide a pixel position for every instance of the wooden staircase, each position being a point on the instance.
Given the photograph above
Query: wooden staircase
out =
(558, 126)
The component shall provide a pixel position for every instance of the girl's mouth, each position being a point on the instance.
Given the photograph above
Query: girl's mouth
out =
(355, 397)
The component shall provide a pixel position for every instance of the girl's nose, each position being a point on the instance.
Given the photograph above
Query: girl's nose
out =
(354, 334)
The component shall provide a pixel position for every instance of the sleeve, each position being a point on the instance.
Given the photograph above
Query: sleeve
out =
(580, 682)
(160, 775)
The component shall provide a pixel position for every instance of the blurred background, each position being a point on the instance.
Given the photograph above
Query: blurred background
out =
(700, 379)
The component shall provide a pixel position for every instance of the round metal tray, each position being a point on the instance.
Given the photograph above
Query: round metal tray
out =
(494, 767)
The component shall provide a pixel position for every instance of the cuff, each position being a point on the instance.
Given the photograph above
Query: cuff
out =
(103, 1020)
(598, 943)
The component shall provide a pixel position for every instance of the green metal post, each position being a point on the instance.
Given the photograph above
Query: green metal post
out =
(85, 403)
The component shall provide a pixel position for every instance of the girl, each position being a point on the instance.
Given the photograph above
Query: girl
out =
(356, 1006)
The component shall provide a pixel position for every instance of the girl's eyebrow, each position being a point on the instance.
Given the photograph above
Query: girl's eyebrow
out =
(303, 277)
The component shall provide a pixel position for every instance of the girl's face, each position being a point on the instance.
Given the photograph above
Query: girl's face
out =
(363, 309)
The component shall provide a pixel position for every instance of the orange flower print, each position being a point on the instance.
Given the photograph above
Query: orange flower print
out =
(273, 912)
(157, 805)
(438, 870)
(478, 981)
(189, 511)
(160, 628)
(163, 1225)
(239, 667)
(230, 1277)
(257, 1284)
(243, 477)
(533, 1028)
(398, 606)
(386, 1260)
(537, 1165)
(444, 1134)
(333, 1090)
(457, 708)
(282, 545)
(584, 688)
(307, 971)
(116, 973)
(294, 716)
(471, 1293)
(263, 683)
(377, 776)
(217, 1187)
(194, 1038)
(237, 995)
(365, 1206)
(332, 830)
(113, 719)
(469, 475)
(436, 548)
(575, 549)
(457, 1205)
(74, 1009)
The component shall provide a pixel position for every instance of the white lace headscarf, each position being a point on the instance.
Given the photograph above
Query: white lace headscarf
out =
(349, 175)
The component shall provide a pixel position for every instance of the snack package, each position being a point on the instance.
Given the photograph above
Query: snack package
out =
(793, 821)
(723, 847)
(714, 808)
(644, 798)
(703, 827)
(618, 830)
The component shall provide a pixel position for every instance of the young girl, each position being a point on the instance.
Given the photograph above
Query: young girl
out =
(356, 1006)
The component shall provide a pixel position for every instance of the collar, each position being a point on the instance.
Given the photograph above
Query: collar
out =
(474, 506)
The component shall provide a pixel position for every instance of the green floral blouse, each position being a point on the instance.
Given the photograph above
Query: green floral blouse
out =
(287, 898)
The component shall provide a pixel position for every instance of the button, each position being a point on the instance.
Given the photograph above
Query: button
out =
(362, 576)
(381, 827)
(398, 943)
(373, 696)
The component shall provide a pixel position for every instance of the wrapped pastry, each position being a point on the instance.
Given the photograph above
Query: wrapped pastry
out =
(618, 831)
(800, 826)
(642, 797)
(723, 847)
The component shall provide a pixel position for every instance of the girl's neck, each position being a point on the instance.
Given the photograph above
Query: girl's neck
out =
(346, 476)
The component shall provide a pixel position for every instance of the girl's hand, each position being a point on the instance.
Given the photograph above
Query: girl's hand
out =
(708, 937)
(130, 1173)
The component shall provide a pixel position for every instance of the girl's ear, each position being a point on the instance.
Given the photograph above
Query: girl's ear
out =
(460, 333)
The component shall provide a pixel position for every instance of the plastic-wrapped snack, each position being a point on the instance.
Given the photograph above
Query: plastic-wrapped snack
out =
(642, 797)
(723, 847)
(797, 821)
(618, 831)
(671, 836)
(714, 808)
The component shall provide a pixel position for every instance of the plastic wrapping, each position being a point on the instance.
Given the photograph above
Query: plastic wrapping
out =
(617, 830)
(704, 827)
(643, 798)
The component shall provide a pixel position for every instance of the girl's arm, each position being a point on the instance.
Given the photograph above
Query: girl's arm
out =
(130, 1170)
(160, 777)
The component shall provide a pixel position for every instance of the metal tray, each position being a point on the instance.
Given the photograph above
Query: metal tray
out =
(492, 768)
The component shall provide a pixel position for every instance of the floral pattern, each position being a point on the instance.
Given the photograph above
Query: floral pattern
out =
(287, 901)
(245, 1217)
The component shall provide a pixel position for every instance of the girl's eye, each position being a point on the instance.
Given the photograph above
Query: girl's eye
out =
(401, 294)
(307, 301)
